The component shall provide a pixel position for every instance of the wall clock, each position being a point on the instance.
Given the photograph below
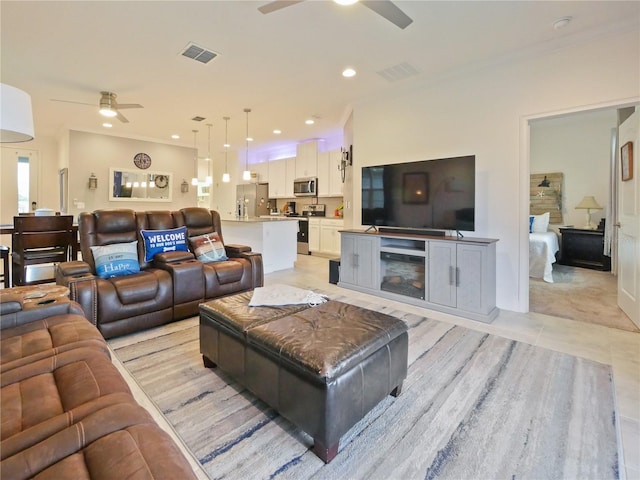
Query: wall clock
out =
(162, 181)
(142, 160)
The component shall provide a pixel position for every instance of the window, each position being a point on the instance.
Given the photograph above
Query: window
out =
(23, 185)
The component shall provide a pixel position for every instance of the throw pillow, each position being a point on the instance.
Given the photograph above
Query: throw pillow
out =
(161, 241)
(530, 223)
(540, 223)
(116, 260)
(208, 247)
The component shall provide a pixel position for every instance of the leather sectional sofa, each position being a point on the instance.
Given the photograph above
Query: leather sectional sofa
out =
(167, 288)
(66, 412)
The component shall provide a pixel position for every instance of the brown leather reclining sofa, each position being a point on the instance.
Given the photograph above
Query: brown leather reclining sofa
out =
(66, 412)
(168, 288)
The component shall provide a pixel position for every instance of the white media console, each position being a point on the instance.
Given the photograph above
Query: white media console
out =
(449, 274)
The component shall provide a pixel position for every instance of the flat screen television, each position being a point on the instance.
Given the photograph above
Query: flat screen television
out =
(423, 195)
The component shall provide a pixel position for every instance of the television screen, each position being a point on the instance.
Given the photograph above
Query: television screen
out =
(428, 194)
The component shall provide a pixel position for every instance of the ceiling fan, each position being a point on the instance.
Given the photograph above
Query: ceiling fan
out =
(108, 105)
(385, 8)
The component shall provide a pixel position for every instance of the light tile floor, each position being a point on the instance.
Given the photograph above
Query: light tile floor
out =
(617, 348)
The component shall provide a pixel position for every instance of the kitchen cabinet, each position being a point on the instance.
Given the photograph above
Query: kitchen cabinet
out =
(307, 159)
(314, 235)
(329, 178)
(448, 274)
(290, 176)
(330, 235)
(277, 178)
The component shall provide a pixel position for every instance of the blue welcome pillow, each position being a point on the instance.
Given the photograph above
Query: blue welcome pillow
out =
(116, 260)
(161, 241)
(531, 219)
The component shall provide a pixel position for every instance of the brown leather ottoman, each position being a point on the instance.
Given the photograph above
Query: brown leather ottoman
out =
(322, 368)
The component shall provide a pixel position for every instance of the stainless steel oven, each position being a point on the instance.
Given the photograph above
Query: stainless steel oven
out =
(305, 187)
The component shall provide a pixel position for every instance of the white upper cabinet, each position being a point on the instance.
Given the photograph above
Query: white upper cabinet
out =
(307, 160)
(261, 170)
(277, 178)
(329, 178)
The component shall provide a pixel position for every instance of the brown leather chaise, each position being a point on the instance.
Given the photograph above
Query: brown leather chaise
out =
(66, 412)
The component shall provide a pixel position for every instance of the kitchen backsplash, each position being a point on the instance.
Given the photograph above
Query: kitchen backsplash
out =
(331, 202)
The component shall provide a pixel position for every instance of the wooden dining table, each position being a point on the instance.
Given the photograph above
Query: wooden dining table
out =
(8, 229)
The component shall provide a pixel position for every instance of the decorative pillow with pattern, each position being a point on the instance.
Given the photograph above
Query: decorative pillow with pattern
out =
(116, 260)
(540, 223)
(208, 248)
(161, 241)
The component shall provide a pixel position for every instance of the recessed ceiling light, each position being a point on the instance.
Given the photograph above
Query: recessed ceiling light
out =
(277, 132)
(249, 139)
(107, 125)
(345, 2)
(310, 121)
(561, 22)
(348, 72)
(175, 136)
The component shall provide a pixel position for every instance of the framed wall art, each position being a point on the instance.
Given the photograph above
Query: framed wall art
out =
(626, 161)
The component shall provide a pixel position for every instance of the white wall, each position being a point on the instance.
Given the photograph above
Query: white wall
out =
(579, 146)
(93, 153)
(483, 114)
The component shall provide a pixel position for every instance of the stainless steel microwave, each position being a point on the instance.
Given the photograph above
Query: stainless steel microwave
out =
(305, 187)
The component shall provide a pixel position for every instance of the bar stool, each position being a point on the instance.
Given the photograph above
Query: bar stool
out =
(4, 252)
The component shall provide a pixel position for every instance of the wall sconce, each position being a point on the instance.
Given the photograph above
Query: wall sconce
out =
(345, 161)
(184, 186)
(93, 182)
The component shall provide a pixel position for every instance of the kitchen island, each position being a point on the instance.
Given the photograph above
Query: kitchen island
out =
(274, 238)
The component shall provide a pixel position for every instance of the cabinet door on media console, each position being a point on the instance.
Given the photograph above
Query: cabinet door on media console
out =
(356, 265)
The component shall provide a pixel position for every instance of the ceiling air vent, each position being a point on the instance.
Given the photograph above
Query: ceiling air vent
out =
(198, 53)
(197, 119)
(398, 72)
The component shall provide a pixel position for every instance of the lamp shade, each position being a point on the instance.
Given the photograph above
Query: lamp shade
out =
(16, 118)
(589, 203)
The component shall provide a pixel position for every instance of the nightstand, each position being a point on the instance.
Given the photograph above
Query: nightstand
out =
(583, 248)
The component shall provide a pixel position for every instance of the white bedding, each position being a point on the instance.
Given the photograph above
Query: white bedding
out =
(542, 254)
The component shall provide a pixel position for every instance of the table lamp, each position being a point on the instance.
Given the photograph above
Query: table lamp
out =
(589, 203)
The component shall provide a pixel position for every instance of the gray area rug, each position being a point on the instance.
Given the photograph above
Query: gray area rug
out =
(474, 406)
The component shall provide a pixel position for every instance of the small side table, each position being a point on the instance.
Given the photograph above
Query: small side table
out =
(583, 248)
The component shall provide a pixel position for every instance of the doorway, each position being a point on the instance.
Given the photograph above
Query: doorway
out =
(578, 145)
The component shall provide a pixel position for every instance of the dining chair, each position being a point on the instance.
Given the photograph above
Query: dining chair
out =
(4, 253)
(39, 240)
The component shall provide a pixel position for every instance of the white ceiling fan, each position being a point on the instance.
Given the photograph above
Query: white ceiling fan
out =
(108, 106)
(385, 8)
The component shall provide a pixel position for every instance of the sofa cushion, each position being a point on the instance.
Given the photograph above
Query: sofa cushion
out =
(116, 260)
(161, 241)
(137, 288)
(47, 337)
(208, 247)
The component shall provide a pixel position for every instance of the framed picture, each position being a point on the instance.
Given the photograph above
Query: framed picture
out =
(415, 188)
(626, 159)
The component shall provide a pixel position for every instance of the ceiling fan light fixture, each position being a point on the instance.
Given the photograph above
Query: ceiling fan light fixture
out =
(108, 112)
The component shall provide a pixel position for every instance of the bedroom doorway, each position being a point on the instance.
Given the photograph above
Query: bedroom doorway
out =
(579, 145)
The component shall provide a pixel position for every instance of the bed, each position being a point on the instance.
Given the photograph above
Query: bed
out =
(543, 247)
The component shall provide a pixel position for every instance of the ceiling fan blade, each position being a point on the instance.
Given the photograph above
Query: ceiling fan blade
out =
(129, 105)
(277, 5)
(71, 101)
(122, 118)
(388, 10)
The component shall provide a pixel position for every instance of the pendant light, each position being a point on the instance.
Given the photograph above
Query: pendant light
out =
(209, 179)
(194, 180)
(246, 175)
(226, 178)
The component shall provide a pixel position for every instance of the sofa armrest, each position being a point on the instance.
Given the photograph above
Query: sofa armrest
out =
(171, 257)
(14, 311)
(233, 250)
(257, 269)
